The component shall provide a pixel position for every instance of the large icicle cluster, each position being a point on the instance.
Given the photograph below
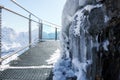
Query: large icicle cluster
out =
(84, 44)
(77, 42)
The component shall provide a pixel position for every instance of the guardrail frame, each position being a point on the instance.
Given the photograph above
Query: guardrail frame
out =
(40, 29)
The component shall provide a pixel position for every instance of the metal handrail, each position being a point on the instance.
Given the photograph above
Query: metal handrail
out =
(34, 14)
(16, 13)
(51, 24)
(29, 18)
(25, 9)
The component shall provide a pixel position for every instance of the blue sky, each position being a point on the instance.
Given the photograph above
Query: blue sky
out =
(49, 10)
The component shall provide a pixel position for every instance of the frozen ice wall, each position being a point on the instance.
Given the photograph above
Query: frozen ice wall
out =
(81, 21)
(87, 42)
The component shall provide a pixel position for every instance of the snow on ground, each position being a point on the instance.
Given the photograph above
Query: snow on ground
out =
(51, 61)
(3, 67)
(54, 58)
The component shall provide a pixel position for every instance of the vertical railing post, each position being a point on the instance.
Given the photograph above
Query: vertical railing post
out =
(0, 32)
(40, 31)
(55, 33)
(29, 30)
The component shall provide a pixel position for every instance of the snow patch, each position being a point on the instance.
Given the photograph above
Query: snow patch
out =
(54, 58)
(105, 45)
(62, 70)
(106, 18)
(3, 67)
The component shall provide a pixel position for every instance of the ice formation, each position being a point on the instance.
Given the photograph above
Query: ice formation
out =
(78, 38)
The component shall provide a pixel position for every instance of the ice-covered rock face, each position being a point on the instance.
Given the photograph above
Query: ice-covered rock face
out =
(112, 7)
(81, 22)
(89, 41)
(69, 10)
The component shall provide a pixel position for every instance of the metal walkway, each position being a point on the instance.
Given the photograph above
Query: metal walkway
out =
(32, 65)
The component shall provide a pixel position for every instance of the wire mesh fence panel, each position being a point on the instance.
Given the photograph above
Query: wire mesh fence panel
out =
(35, 32)
(48, 32)
(14, 33)
(58, 33)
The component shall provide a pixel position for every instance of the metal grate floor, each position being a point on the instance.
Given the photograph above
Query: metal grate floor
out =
(36, 56)
(25, 74)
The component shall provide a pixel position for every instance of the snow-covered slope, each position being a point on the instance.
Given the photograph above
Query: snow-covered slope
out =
(12, 41)
(9, 37)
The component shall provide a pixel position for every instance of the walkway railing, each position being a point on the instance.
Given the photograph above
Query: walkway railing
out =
(41, 23)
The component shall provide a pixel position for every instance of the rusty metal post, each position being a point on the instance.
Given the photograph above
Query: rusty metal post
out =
(0, 32)
(30, 30)
(40, 31)
(55, 33)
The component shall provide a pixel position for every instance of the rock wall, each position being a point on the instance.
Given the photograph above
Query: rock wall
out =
(90, 41)
(109, 51)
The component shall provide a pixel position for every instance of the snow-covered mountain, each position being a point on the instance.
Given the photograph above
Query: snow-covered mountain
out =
(22, 38)
(11, 40)
(8, 35)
